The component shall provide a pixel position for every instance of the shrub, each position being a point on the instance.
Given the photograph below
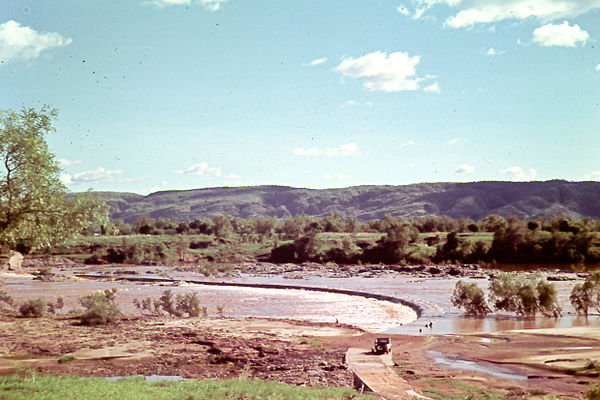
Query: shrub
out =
(177, 306)
(101, 307)
(6, 298)
(593, 392)
(586, 295)
(525, 296)
(504, 293)
(52, 307)
(167, 303)
(34, 308)
(469, 296)
(189, 303)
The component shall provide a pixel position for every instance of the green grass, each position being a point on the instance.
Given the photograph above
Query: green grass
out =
(36, 387)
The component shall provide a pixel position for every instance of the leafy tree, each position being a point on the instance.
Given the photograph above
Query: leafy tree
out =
(469, 296)
(144, 225)
(586, 295)
(35, 209)
(525, 296)
(222, 227)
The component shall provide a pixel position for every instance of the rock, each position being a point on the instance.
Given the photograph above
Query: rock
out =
(434, 270)
(15, 261)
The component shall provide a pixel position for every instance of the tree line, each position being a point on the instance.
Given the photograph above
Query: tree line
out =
(429, 239)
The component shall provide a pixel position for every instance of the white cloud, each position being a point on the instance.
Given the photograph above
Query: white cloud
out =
(472, 12)
(453, 141)
(317, 61)
(463, 169)
(232, 176)
(344, 150)
(349, 149)
(335, 176)
(19, 42)
(382, 72)
(406, 144)
(96, 175)
(66, 179)
(63, 162)
(592, 176)
(433, 88)
(211, 5)
(493, 52)
(598, 67)
(352, 102)
(201, 169)
(560, 35)
(517, 173)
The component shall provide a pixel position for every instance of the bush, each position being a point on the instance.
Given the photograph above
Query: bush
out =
(101, 307)
(469, 296)
(525, 296)
(177, 306)
(34, 308)
(593, 393)
(189, 303)
(586, 295)
(6, 298)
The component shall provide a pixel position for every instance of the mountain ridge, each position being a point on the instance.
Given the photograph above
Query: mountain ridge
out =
(473, 200)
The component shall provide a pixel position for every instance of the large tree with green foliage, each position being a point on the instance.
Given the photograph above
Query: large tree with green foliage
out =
(35, 207)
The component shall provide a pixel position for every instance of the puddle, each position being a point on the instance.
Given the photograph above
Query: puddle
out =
(464, 365)
(577, 348)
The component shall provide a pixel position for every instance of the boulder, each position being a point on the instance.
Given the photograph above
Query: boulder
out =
(15, 261)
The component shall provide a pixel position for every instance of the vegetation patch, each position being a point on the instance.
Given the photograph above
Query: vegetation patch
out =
(37, 387)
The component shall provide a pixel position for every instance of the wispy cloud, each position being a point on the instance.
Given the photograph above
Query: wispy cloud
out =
(63, 162)
(407, 144)
(433, 88)
(463, 169)
(317, 61)
(19, 42)
(97, 175)
(493, 52)
(598, 67)
(560, 35)
(344, 150)
(211, 5)
(379, 71)
(472, 12)
(454, 141)
(592, 176)
(517, 173)
(201, 169)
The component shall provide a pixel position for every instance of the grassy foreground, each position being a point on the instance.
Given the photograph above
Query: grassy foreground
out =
(35, 387)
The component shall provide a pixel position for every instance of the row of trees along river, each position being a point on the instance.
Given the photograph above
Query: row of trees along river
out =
(36, 211)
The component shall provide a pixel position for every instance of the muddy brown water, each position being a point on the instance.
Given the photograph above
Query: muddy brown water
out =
(430, 295)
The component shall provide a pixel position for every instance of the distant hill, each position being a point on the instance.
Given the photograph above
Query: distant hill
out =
(473, 200)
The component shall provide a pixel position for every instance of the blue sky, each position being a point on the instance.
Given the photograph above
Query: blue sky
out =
(181, 94)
